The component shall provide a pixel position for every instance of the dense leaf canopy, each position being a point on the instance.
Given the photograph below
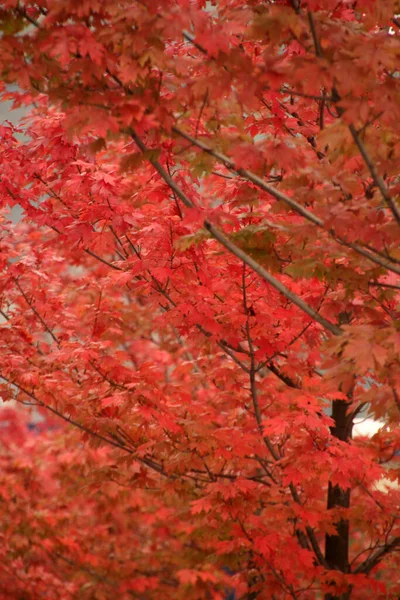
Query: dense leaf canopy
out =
(200, 299)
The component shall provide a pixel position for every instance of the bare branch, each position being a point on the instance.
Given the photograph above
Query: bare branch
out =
(318, 49)
(103, 260)
(162, 172)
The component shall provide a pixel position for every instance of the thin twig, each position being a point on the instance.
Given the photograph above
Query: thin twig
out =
(35, 312)
(235, 250)
(378, 180)
(371, 562)
(278, 195)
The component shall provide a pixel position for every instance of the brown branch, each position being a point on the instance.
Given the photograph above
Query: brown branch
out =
(233, 356)
(376, 558)
(25, 14)
(178, 208)
(162, 172)
(201, 112)
(295, 206)
(103, 260)
(257, 268)
(274, 453)
(318, 49)
(258, 181)
(396, 21)
(396, 397)
(296, 5)
(35, 312)
(235, 250)
(384, 254)
(147, 462)
(378, 180)
(120, 244)
(289, 382)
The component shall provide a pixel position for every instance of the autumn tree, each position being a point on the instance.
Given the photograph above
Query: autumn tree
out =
(200, 298)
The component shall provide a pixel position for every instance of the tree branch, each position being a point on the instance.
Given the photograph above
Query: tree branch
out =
(149, 463)
(295, 206)
(318, 49)
(35, 312)
(258, 181)
(376, 558)
(378, 180)
(257, 268)
(235, 250)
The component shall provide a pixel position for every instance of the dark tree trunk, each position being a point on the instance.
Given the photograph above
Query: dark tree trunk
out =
(337, 546)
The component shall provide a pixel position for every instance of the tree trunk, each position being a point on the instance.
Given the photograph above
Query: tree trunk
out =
(337, 546)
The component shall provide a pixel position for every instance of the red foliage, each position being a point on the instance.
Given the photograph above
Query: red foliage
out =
(206, 267)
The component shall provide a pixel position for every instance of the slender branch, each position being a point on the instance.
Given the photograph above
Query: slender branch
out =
(396, 397)
(257, 268)
(178, 208)
(31, 20)
(258, 181)
(117, 239)
(289, 382)
(201, 112)
(3, 314)
(376, 558)
(35, 312)
(162, 172)
(149, 463)
(103, 260)
(190, 38)
(318, 49)
(384, 254)
(274, 453)
(296, 5)
(295, 206)
(378, 180)
(318, 52)
(224, 241)
(396, 21)
(233, 356)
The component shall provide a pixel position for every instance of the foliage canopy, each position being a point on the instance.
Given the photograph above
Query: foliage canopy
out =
(200, 297)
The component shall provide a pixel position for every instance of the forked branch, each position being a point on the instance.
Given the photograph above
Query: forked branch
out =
(235, 250)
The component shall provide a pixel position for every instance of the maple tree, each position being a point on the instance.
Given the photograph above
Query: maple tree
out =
(201, 296)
